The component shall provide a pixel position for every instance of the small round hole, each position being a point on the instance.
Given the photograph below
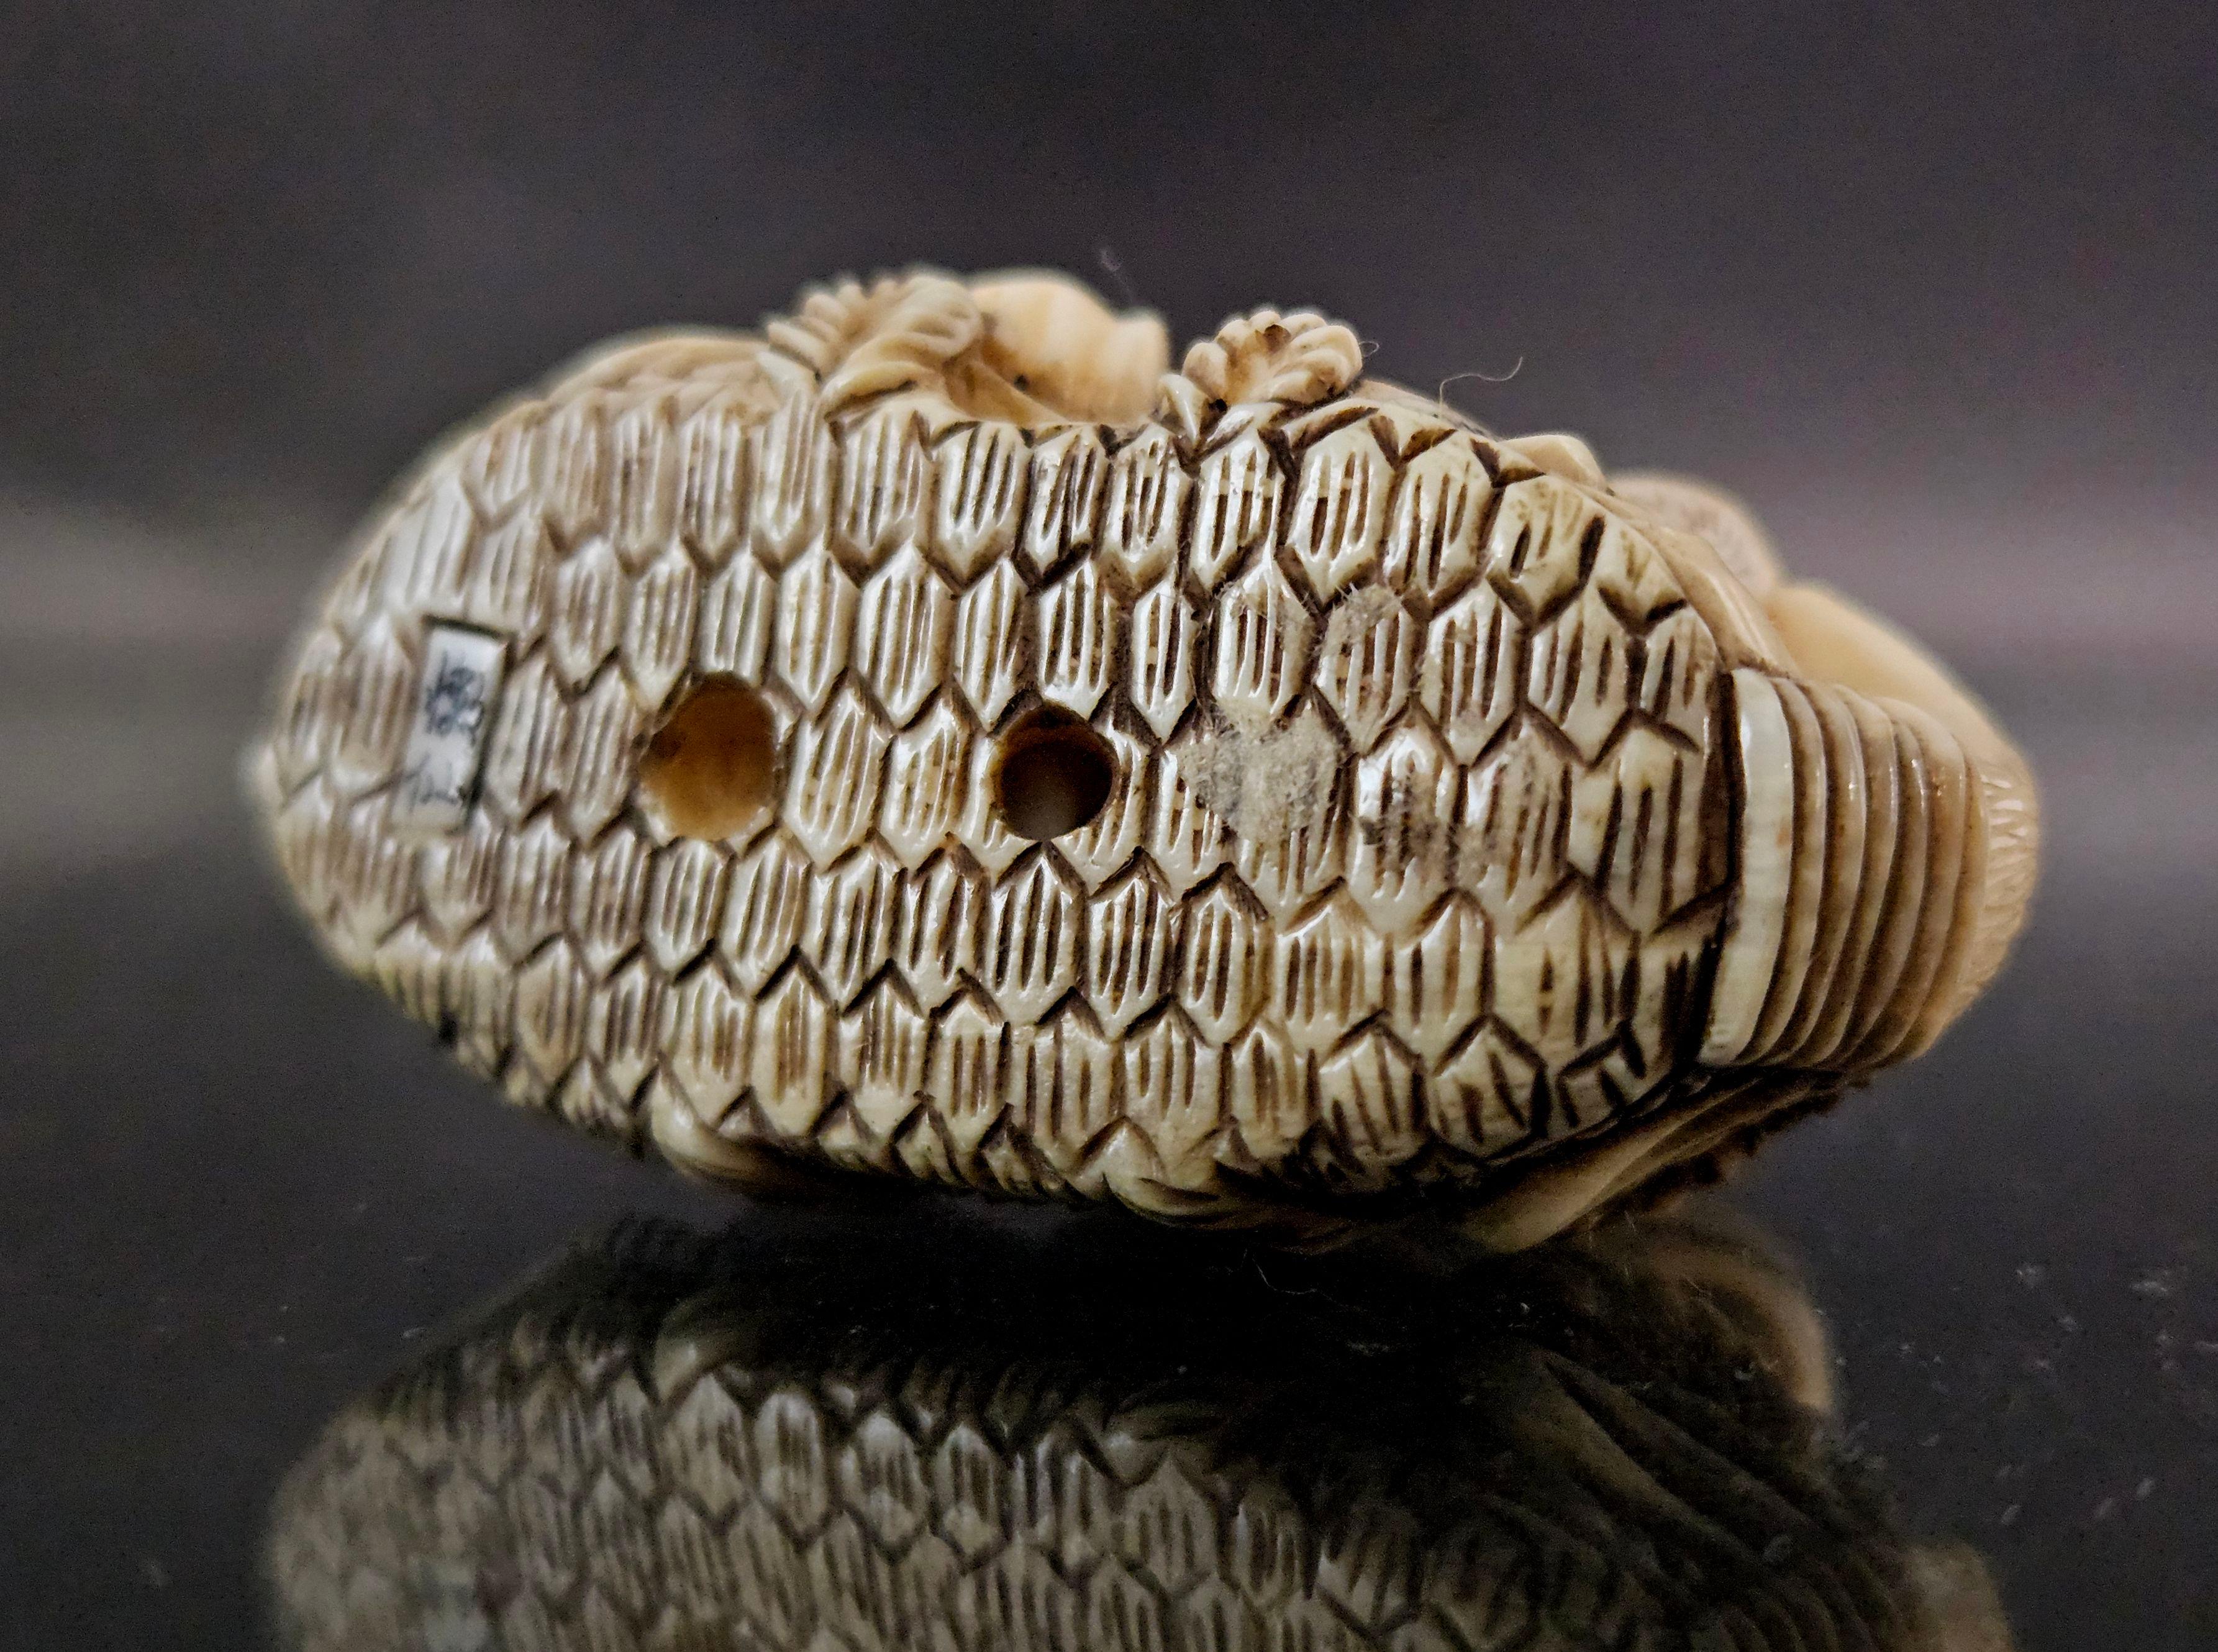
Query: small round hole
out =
(1054, 775)
(712, 769)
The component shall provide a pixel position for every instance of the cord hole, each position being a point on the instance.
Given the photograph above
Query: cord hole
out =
(711, 769)
(1054, 775)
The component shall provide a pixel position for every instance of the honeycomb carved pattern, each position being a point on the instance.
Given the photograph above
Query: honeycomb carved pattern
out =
(661, 1442)
(1421, 819)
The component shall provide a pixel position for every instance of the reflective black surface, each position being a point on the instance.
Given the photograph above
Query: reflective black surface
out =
(1932, 291)
(1095, 1438)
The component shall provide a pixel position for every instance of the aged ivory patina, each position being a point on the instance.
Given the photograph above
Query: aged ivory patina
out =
(931, 739)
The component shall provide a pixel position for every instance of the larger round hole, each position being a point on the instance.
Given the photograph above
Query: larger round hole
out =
(1054, 775)
(712, 769)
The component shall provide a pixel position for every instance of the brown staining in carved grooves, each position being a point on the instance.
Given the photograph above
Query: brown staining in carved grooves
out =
(1388, 721)
(1053, 774)
(712, 770)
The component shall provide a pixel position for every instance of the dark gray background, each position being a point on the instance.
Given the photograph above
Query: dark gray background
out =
(1935, 294)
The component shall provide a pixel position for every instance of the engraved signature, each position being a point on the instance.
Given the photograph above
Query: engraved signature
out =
(455, 699)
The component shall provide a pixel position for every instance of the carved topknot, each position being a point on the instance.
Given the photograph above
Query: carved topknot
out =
(1300, 359)
(899, 331)
(1034, 348)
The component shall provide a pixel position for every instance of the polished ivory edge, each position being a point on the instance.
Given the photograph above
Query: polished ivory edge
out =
(1766, 838)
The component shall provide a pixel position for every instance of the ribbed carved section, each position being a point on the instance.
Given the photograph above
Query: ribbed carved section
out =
(1861, 855)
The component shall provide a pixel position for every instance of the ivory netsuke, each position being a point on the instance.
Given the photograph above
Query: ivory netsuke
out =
(931, 739)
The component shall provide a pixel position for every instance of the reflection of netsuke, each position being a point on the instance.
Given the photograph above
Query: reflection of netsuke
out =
(930, 739)
(678, 1442)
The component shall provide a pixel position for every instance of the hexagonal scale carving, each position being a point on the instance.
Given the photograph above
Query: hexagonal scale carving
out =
(980, 499)
(455, 878)
(1678, 675)
(497, 466)
(1173, 1095)
(623, 1025)
(1368, 1096)
(1030, 951)
(1412, 858)
(1148, 489)
(839, 762)
(709, 1042)
(301, 739)
(374, 871)
(1327, 974)
(791, 460)
(1582, 672)
(1132, 946)
(378, 694)
(685, 900)
(1077, 640)
(927, 774)
(989, 642)
(1186, 838)
(882, 482)
(509, 580)
(936, 940)
(982, 830)
(1431, 546)
(1401, 831)
(601, 741)
(551, 992)
(1236, 507)
(1517, 812)
(1162, 657)
(791, 1070)
(608, 900)
(426, 551)
(1062, 1089)
(1363, 670)
(900, 635)
(1068, 470)
(853, 914)
(763, 911)
(1262, 646)
(1221, 984)
(738, 611)
(658, 635)
(1290, 839)
(569, 458)
(712, 485)
(1104, 847)
(529, 895)
(1436, 984)
(1536, 553)
(966, 1075)
(1486, 1098)
(1632, 574)
(1340, 508)
(883, 1045)
(816, 604)
(1267, 1092)
(588, 611)
(1561, 982)
(1472, 673)
(1637, 827)
(643, 480)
